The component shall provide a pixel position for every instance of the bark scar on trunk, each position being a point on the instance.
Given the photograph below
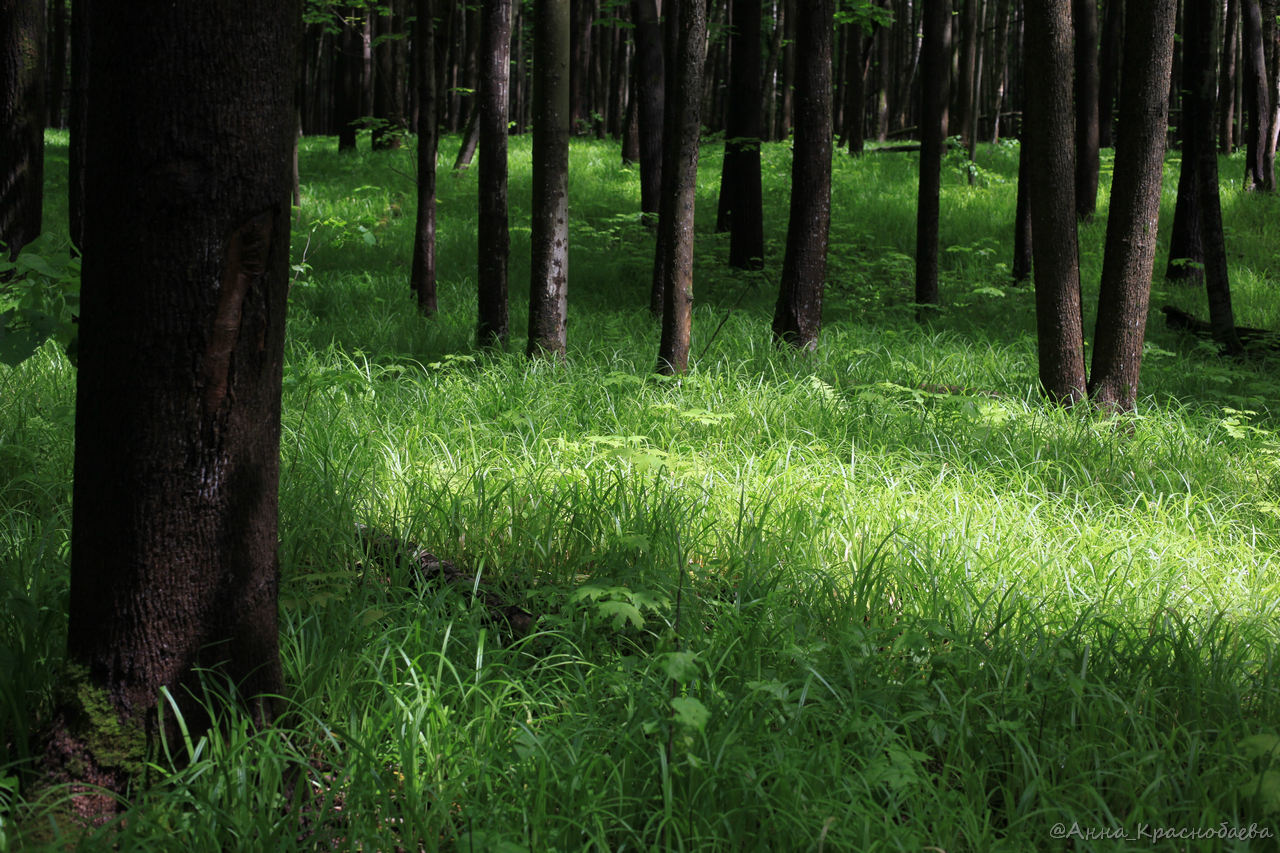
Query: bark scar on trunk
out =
(246, 263)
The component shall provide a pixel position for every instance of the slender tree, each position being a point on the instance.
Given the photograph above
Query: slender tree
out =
(1051, 150)
(422, 278)
(1134, 216)
(740, 190)
(389, 79)
(1259, 173)
(1085, 18)
(1227, 76)
(493, 240)
(22, 115)
(798, 315)
(1109, 70)
(549, 241)
(935, 52)
(349, 66)
(680, 181)
(650, 77)
(186, 258)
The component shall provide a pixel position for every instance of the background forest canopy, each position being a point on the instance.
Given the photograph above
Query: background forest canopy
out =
(882, 551)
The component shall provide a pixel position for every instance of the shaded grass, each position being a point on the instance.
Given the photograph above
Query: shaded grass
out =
(783, 602)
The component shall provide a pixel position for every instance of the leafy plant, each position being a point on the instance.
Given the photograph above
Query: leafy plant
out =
(39, 298)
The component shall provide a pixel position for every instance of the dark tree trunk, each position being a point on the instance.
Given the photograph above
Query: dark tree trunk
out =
(22, 115)
(350, 64)
(935, 66)
(1022, 217)
(770, 82)
(680, 182)
(1199, 43)
(1227, 76)
(787, 69)
(1109, 70)
(650, 77)
(1051, 147)
(186, 259)
(855, 95)
(422, 278)
(388, 91)
(631, 129)
(740, 178)
(967, 96)
(77, 118)
(1135, 203)
(1257, 102)
(579, 62)
(798, 315)
(1186, 246)
(493, 240)
(549, 241)
(470, 140)
(57, 62)
(1085, 14)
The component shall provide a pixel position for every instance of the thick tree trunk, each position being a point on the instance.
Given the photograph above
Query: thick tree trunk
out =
(422, 277)
(57, 26)
(77, 118)
(350, 64)
(650, 76)
(967, 96)
(549, 241)
(935, 52)
(22, 115)
(680, 171)
(492, 237)
(1049, 76)
(186, 259)
(797, 318)
(740, 178)
(1258, 173)
(1085, 16)
(1135, 203)
(1109, 70)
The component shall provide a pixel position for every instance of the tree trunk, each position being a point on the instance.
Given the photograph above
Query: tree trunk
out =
(798, 315)
(787, 69)
(1109, 71)
(388, 90)
(22, 115)
(935, 52)
(1256, 98)
(57, 27)
(1051, 147)
(492, 238)
(549, 241)
(740, 177)
(1135, 203)
(1085, 14)
(186, 259)
(680, 168)
(77, 119)
(350, 64)
(422, 278)
(650, 75)
(1227, 76)
(1022, 216)
(966, 97)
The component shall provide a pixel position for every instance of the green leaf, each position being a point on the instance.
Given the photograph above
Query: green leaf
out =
(681, 666)
(622, 612)
(1257, 746)
(690, 712)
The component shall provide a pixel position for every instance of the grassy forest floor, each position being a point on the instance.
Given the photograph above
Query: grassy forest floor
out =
(783, 602)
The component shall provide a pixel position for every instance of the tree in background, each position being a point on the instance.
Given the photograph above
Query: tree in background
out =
(422, 277)
(1133, 220)
(349, 64)
(22, 118)
(650, 97)
(549, 240)
(1259, 168)
(493, 240)
(935, 65)
(389, 76)
(1085, 19)
(186, 259)
(798, 315)
(673, 261)
(741, 206)
(1051, 193)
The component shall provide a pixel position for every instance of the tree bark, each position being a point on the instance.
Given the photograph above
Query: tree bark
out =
(1022, 265)
(797, 318)
(935, 52)
(350, 64)
(77, 118)
(740, 177)
(549, 241)
(649, 92)
(492, 238)
(1109, 70)
(186, 259)
(1085, 16)
(1227, 76)
(422, 278)
(1049, 73)
(1258, 173)
(388, 90)
(22, 115)
(680, 170)
(57, 27)
(1134, 216)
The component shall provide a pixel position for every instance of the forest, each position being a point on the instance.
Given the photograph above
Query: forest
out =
(527, 425)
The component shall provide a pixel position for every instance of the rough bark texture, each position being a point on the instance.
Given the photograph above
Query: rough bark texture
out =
(1133, 220)
(649, 93)
(1051, 132)
(186, 254)
(675, 226)
(422, 278)
(935, 52)
(22, 114)
(1085, 17)
(740, 189)
(1258, 173)
(798, 315)
(492, 238)
(549, 241)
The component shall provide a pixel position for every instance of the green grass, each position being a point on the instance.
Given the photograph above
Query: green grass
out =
(783, 602)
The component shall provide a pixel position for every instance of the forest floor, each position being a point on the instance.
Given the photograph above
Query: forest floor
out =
(878, 597)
